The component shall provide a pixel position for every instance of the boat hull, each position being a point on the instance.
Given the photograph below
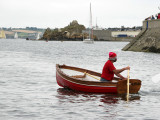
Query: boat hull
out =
(83, 87)
(90, 41)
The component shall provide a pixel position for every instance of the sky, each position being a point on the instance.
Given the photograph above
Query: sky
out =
(59, 13)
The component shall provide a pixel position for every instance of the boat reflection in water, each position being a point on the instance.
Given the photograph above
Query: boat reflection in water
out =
(68, 95)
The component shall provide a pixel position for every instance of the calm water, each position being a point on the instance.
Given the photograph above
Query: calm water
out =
(28, 88)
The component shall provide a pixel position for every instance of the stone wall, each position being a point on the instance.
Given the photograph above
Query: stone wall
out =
(151, 24)
(106, 35)
(148, 40)
(101, 34)
(124, 39)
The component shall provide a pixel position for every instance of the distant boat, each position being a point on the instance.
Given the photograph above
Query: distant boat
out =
(38, 36)
(89, 39)
(16, 36)
(2, 34)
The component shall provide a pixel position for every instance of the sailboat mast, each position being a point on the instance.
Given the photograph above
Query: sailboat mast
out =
(90, 27)
(90, 31)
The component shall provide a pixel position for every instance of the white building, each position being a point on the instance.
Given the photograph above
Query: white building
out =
(127, 33)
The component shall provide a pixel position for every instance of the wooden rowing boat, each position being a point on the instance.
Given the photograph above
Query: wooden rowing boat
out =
(83, 80)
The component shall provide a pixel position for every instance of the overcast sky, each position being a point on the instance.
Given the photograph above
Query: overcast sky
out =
(59, 13)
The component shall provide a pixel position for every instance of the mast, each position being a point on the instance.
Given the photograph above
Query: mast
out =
(96, 24)
(90, 25)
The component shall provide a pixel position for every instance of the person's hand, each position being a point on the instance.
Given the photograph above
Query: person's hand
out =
(124, 78)
(127, 68)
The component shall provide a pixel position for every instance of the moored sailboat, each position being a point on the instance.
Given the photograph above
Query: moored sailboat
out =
(38, 36)
(90, 37)
(16, 36)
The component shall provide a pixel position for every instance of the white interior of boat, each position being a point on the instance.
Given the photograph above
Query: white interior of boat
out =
(87, 77)
(75, 73)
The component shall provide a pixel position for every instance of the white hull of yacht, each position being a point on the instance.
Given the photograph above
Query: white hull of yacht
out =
(88, 41)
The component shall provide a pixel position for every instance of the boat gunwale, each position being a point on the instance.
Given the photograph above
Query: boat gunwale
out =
(81, 81)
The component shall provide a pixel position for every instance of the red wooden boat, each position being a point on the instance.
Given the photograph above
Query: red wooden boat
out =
(83, 80)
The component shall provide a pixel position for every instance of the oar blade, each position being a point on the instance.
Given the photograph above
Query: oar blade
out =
(134, 86)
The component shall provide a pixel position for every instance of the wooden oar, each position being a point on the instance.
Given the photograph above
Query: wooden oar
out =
(79, 76)
(128, 87)
(91, 76)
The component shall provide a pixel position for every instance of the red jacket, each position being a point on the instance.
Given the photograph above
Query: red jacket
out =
(107, 72)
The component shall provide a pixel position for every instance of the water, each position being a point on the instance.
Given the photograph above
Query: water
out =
(28, 88)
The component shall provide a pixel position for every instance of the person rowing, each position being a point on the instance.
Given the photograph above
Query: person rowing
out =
(109, 69)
